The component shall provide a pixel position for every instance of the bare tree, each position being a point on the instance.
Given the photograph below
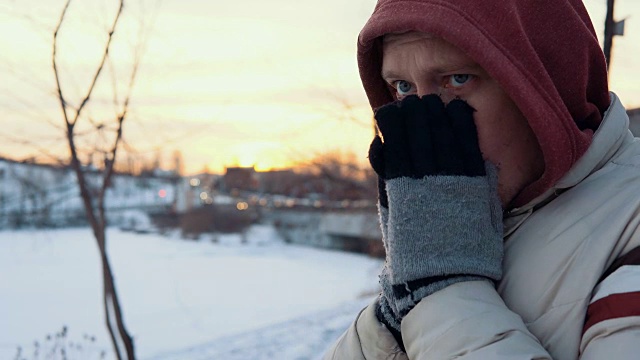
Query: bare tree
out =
(93, 185)
(343, 176)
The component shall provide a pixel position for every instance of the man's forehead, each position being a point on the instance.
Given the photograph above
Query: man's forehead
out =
(407, 36)
(435, 53)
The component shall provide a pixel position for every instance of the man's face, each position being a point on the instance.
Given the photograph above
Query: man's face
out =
(421, 64)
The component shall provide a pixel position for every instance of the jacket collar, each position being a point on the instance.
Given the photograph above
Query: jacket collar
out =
(607, 141)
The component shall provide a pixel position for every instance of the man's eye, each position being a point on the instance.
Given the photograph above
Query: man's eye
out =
(458, 80)
(403, 87)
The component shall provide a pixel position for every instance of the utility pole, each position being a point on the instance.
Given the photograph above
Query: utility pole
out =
(611, 29)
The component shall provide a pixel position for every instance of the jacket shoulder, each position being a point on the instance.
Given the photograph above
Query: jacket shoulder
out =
(366, 339)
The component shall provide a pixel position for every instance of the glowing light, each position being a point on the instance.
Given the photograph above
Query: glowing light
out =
(162, 193)
(194, 182)
(242, 206)
(204, 196)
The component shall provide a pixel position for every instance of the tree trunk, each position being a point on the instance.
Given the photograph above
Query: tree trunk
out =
(94, 201)
(120, 338)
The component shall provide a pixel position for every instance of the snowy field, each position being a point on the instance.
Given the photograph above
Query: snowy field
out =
(181, 299)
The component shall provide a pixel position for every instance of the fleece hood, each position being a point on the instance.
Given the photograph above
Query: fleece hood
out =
(544, 53)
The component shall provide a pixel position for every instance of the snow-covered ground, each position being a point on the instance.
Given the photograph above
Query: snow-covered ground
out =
(181, 299)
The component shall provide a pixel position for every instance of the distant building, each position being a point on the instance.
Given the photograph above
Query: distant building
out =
(277, 181)
(47, 195)
(240, 179)
(197, 190)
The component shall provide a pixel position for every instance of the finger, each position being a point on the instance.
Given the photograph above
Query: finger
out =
(419, 136)
(376, 157)
(386, 117)
(396, 155)
(464, 128)
(446, 154)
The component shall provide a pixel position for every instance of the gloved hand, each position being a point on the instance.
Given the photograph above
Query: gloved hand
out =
(440, 213)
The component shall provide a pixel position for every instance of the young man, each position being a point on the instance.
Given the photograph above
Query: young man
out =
(510, 186)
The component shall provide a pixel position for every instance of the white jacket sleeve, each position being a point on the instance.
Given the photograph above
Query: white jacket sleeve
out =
(468, 320)
(612, 339)
(366, 338)
(612, 327)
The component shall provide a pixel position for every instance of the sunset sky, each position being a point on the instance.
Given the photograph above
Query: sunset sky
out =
(245, 82)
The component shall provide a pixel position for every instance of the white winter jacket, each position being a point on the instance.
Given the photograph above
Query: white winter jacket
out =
(552, 302)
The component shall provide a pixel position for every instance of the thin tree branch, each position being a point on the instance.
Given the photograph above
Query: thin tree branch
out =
(105, 54)
(109, 166)
(63, 103)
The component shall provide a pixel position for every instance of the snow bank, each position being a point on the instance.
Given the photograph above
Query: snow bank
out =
(175, 294)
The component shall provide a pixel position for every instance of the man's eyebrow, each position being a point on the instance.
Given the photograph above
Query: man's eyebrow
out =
(389, 74)
(462, 66)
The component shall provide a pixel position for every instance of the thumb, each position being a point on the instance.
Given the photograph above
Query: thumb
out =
(376, 157)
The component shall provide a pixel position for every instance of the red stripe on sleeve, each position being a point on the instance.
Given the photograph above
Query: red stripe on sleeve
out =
(612, 307)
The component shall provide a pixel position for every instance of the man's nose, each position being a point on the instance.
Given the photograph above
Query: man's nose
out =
(428, 89)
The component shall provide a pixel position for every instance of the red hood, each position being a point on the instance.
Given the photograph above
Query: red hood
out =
(544, 53)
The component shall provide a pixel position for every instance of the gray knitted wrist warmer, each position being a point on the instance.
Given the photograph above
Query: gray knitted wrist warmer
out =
(383, 214)
(439, 230)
